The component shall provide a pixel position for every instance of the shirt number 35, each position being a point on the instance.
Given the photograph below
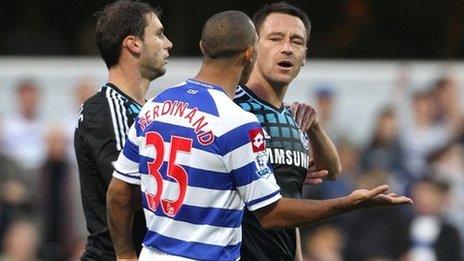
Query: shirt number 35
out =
(176, 172)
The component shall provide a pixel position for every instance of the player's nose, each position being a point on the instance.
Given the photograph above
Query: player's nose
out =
(168, 44)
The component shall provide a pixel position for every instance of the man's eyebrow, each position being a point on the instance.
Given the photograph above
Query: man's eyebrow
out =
(275, 34)
(299, 36)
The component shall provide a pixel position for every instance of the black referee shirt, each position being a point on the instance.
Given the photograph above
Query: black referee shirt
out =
(101, 131)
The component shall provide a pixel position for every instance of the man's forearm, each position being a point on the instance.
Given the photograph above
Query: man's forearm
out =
(325, 154)
(289, 213)
(120, 217)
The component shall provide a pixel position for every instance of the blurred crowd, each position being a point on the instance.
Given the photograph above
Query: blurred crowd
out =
(40, 212)
(417, 147)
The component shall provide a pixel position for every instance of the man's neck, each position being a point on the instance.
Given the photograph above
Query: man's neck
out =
(130, 82)
(271, 93)
(220, 74)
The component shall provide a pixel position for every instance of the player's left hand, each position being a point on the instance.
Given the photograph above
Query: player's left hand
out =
(304, 114)
(314, 176)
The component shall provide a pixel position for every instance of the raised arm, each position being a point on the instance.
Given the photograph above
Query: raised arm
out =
(324, 153)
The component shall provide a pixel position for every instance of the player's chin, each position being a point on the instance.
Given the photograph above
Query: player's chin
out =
(283, 79)
(158, 72)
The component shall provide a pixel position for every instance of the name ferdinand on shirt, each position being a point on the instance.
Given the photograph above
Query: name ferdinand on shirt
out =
(175, 108)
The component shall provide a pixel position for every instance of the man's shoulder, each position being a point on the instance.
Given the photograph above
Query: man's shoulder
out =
(94, 110)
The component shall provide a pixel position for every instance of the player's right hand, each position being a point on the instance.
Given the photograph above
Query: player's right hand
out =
(304, 114)
(364, 198)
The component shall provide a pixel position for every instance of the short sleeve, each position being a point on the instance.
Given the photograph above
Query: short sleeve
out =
(246, 159)
(126, 167)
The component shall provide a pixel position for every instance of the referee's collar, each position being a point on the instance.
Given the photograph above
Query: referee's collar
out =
(114, 87)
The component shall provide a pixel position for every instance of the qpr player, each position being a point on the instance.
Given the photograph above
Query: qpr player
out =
(201, 160)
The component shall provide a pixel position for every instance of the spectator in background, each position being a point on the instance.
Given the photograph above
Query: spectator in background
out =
(13, 193)
(13, 203)
(349, 158)
(430, 237)
(447, 163)
(83, 91)
(324, 243)
(21, 242)
(424, 136)
(384, 151)
(374, 234)
(23, 132)
(56, 201)
(420, 134)
(325, 107)
(448, 109)
(22, 142)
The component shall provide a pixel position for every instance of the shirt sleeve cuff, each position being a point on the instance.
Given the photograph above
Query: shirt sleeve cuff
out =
(264, 201)
(127, 178)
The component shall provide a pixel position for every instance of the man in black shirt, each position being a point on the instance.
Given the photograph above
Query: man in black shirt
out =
(132, 43)
(283, 37)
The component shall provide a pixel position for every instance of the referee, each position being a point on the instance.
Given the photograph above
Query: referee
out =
(134, 48)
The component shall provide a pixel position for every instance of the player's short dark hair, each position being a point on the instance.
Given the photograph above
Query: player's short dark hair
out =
(115, 22)
(226, 34)
(283, 8)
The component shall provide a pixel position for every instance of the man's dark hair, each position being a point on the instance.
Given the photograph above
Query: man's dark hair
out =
(282, 8)
(116, 22)
(227, 34)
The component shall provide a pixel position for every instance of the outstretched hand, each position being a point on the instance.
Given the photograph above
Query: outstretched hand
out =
(364, 198)
(305, 115)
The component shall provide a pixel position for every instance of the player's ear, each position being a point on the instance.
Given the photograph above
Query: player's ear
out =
(132, 43)
(202, 48)
(249, 54)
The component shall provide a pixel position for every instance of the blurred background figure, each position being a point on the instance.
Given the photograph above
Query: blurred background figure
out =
(21, 242)
(84, 89)
(22, 132)
(57, 210)
(346, 182)
(325, 243)
(419, 131)
(325, 106)
(430, 236)
(374, 234)
(448, 109)
(447, 163)
(384, 151)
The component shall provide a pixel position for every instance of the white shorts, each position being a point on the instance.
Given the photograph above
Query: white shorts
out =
(150, 254)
